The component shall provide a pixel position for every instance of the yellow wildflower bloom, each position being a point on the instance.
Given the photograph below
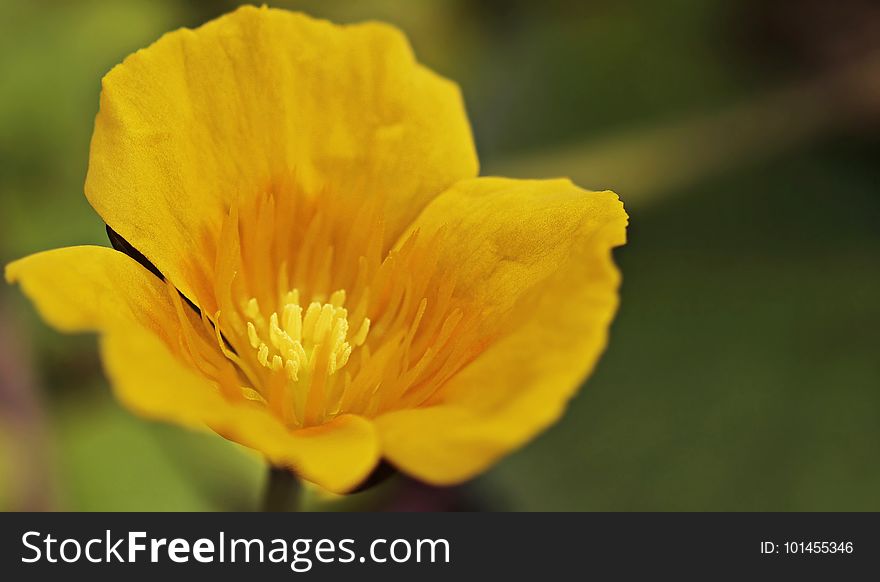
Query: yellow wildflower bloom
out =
(329, 281)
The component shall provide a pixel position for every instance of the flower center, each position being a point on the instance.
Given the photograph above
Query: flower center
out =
(273, 335)
(303, 350)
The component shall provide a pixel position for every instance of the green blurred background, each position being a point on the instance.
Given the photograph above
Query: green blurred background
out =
(743, 370)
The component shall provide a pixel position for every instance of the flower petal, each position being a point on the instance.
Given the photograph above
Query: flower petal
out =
(150, 381)
(90, 288)
(98, 289)
(538, 255)
(257, 96)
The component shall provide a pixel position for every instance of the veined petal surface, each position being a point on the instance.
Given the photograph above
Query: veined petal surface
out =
(534, 256)
(206, 117)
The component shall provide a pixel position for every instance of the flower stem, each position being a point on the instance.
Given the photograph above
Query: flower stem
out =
(282, 490)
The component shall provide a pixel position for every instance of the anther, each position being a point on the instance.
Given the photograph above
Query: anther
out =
(252, 335)
(306, 346)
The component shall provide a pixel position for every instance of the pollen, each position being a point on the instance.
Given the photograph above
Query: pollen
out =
(303, 348)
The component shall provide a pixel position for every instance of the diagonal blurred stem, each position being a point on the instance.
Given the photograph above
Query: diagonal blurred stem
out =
(644, 166)
(283, 490)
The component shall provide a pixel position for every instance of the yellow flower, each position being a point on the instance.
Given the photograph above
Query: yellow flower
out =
(335, 283)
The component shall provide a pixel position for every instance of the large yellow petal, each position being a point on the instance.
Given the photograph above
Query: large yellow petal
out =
(88, 288)
(537, 255)
(260, 96)
(98, 289)
(149, 380)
